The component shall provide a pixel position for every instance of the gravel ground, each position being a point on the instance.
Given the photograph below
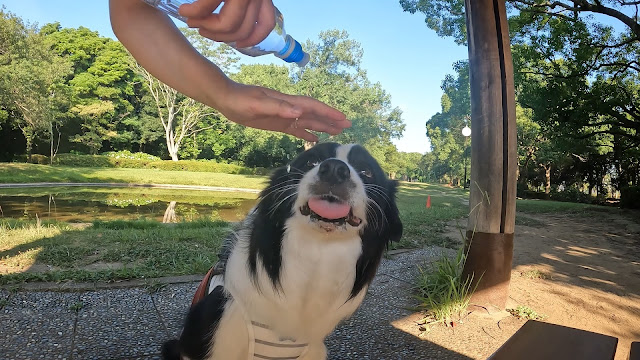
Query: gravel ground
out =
(131, 323)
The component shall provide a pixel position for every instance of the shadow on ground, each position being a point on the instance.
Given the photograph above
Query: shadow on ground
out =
(131, 323)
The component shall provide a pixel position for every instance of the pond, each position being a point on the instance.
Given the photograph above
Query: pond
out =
(83, 205)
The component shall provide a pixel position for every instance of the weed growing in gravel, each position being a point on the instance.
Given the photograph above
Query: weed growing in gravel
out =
(77, 306)
(443, 291)
(534, 274)
(525, 312)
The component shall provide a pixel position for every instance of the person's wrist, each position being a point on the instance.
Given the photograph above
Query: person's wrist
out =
(213, 86)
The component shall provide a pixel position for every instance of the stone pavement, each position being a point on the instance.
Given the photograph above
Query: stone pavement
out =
(132, 322)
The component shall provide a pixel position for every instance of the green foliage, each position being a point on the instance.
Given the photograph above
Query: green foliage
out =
(31, 79)
(443, 291)
(126, 154)
(630, 197)
(89, 96)
(577, 85)
(451, 150)
(445, 17)
(572, 195)
(525, 312)
(151, 162)
(334, 76)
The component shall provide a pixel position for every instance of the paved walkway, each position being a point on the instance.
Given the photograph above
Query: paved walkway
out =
(132, 322)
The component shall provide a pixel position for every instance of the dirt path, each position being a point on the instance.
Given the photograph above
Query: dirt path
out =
(579, 272)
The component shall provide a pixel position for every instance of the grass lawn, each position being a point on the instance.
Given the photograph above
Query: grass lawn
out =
(106, 251)
(114, 250)
(30, 173)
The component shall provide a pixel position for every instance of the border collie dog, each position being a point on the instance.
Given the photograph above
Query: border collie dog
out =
(300, 262)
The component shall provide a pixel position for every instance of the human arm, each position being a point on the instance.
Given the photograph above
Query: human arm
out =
(157, 44)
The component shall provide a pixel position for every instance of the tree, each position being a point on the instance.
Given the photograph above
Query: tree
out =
(334, 76)
(574, 70)
(31, 78)
(183, 118)
(103, 88)
(180, 116)
(444, 129)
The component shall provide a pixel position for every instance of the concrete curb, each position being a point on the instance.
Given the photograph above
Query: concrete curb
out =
(71, 286)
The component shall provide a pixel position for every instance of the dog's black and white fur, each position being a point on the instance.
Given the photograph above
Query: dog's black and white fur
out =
(291, 269)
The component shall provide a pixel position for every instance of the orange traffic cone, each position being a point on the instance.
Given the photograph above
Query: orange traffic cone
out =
(428, 201)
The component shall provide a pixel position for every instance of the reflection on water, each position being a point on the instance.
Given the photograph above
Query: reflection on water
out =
(87, 205)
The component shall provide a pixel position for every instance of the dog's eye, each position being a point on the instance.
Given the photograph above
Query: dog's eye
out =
(366, 172)
(313, 163)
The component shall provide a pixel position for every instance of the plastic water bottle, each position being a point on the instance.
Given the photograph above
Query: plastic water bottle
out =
(277, 42)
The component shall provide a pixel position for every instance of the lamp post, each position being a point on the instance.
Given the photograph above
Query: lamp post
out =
(466, 132)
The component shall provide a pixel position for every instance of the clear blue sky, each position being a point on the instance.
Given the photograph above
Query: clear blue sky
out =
(400, 52)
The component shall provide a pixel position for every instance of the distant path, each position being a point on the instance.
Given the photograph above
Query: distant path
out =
(129, 185)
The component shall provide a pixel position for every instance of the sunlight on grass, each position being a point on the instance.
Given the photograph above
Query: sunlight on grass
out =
(141, 249)
(29, 173)
(426, 226)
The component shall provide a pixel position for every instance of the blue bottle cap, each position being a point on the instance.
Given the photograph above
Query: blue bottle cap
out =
(297, 55)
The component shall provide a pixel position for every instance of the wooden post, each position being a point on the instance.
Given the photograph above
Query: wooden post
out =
(493, 154)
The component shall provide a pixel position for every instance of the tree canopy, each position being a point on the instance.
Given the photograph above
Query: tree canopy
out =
(72, 90)
(577, 87)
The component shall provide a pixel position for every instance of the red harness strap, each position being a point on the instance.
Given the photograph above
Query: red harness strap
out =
(203, 288)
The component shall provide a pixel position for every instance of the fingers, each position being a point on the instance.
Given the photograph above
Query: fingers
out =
(227, 22)
(199, 9)
(302, 134)
(246, 22)
(266, 21)
(268, 109)
(314, 108)
(209, 28)
(272, 106)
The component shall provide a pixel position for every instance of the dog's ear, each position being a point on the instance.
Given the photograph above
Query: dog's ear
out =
(392, 214)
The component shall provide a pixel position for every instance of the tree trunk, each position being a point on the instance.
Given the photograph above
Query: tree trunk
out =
(170, 213)
(172, 147)
(51, 153)
(547, 179)
(29, 147)
(492, 197)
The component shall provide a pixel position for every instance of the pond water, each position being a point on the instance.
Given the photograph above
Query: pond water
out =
(80, 205)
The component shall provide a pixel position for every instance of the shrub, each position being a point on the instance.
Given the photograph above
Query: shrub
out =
(630, 197)
(138, 161)
(571, 195)
(82, 160)
(35, 159)
(126, 154)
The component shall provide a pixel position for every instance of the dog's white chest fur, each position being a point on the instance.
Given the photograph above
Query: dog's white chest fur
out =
(317, 276)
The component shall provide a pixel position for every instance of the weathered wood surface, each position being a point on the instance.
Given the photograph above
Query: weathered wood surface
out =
(493, 152)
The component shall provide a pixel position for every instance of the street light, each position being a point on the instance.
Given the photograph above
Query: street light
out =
(466, 132)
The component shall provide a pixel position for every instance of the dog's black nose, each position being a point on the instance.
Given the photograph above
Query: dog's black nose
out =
(333, 171)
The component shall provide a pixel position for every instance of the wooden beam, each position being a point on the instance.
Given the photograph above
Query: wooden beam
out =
(493, 152)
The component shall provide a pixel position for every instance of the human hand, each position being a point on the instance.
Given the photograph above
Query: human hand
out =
(245, 22)
(267, 109)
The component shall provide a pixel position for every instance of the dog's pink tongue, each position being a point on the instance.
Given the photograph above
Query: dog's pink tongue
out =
(329, 210)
